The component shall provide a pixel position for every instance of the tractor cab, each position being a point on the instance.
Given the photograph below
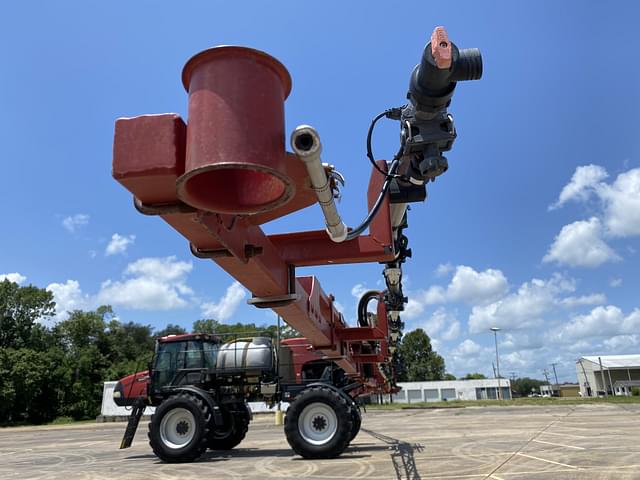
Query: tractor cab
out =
(175, 356)
(180, 359)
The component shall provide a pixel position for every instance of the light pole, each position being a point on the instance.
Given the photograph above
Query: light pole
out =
(495, 331)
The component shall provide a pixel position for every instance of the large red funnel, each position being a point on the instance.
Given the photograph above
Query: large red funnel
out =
(235, 136)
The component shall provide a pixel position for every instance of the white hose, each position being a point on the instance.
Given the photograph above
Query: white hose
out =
(306, 144)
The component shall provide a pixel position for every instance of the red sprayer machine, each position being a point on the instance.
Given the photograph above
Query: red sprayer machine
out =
(216, 180)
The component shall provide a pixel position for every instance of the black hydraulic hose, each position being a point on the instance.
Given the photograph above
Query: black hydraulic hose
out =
(363, 320)
(356, 232)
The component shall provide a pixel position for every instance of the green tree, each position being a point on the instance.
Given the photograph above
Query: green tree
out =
(418, 359)
(449, 376)
(20, 309)
(473, 376)
(242, 329)
(525, 385)
(205, 325)
(86, 346)
(31, 385)
(170, 329)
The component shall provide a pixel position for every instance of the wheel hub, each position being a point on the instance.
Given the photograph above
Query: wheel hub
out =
(182, 428)
(177, 428)
(319, 423)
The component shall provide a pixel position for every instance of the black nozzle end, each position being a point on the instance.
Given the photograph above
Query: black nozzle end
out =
(304, 142)
(431, 87)
(468, 65)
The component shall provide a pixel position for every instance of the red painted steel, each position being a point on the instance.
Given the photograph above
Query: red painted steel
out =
(235, 142)
(228, 148)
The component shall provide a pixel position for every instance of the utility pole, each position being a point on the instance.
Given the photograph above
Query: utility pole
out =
(556, 375)
(495, 331)
(545, 372)
(604, 382)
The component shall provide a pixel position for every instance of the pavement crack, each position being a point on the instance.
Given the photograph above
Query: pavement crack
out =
(527, 443)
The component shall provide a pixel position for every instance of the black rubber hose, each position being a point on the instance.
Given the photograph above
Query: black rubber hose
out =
(363, 320)
(356, 232)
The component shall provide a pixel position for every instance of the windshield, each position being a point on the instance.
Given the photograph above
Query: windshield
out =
(172, 357)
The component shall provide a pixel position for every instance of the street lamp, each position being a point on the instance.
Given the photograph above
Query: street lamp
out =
(495, 331)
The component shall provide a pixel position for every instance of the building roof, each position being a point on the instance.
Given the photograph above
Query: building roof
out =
(616, 361)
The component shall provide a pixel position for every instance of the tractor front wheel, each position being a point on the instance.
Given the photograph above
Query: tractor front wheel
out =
(179, 428)
(319, 423)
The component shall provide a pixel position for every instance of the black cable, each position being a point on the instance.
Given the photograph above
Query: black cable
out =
(393, 113)
(369, 149)
(356, 232)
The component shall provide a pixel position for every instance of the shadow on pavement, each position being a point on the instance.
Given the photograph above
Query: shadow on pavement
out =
(402, 456)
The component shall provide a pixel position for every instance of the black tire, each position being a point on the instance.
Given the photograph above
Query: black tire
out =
(319, 423)
(356, 418)
(236, 425)
(179, 428)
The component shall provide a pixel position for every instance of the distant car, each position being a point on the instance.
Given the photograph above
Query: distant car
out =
(534, 394)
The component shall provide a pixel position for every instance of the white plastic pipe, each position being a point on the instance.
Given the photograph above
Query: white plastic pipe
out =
(305, 142)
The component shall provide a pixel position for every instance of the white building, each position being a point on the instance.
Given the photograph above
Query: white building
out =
(487, 389)
(613, 374)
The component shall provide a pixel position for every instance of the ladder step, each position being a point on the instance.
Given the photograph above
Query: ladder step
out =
(132, 424)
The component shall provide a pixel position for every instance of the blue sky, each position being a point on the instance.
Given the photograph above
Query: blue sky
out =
(534, 228)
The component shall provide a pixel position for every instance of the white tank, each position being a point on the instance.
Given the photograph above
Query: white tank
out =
(246, 354)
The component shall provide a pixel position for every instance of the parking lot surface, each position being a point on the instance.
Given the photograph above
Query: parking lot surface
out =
(555, 442)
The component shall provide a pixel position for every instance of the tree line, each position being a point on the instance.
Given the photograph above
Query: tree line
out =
(59, 370)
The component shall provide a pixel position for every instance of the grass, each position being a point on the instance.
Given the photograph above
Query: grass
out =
(55, 421)
(539, 401)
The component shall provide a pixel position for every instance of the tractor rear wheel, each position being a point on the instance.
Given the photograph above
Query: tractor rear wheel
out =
(179, 428)
(236, 424)
(319, 423)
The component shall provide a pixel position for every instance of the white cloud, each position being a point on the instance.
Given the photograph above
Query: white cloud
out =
(622, 343)
(74, 222)
(452, 332)
(600, 322)
(520, 341)
(582, 184)
(444, 269)
(622, 204)
(13, 277)
(227, 305)
(522, 309)
(467, 286)
(358, 290)
(119, 244)
(468, 347)
(436, 322)
(580, 244)
(412, 309)
(615, 282)
(434, 295)
(153, 284)
(474, 288)
(68, 296)
(591, 299)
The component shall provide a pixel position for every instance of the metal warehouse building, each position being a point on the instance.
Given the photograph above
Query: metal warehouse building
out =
(414, 392)
(608, 374)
